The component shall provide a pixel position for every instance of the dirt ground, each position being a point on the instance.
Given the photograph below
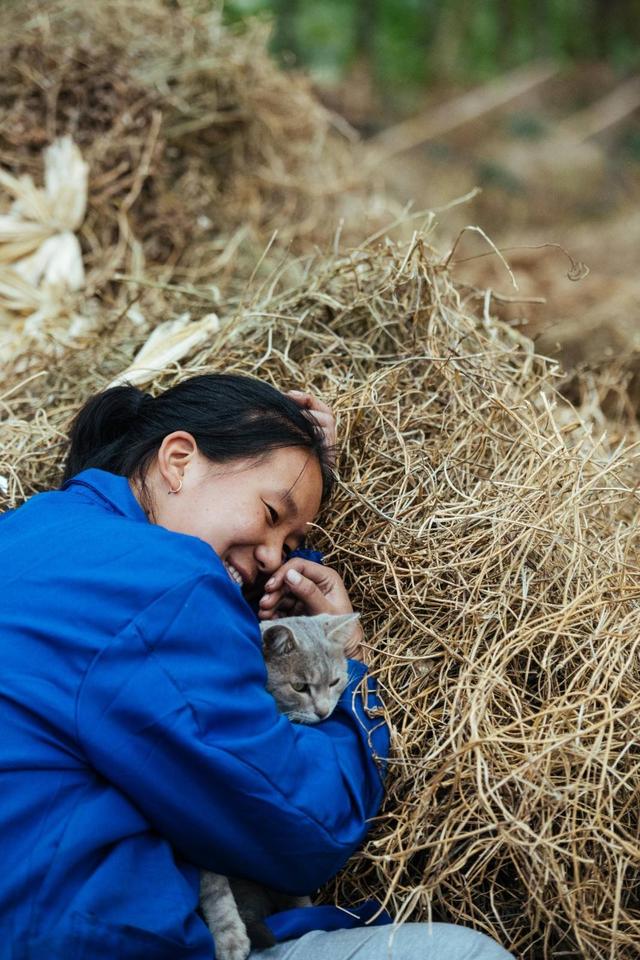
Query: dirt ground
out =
(557, 164)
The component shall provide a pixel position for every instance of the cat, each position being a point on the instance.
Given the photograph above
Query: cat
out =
(306, 672)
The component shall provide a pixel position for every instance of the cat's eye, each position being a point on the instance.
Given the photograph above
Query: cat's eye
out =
(334, 682)
(300, 687)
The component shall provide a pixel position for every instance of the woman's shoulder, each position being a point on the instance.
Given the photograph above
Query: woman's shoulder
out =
(94, 531)
(88, 557)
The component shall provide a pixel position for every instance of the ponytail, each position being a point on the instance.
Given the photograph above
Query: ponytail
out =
(99, 432)
(231, 417)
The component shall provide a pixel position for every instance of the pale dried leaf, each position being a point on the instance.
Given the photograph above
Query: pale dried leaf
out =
(30, 203)
(169, 343)
(16, 294)
(66, 177)
(57, 263)
(12, 230)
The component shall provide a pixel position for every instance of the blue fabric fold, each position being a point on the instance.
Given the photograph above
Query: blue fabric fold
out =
(139, 743)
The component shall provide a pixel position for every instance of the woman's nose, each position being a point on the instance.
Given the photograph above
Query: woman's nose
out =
(270, 556)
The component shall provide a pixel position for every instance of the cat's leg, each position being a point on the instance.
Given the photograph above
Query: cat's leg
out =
(221, 914)
(255, 902)
(301, 902)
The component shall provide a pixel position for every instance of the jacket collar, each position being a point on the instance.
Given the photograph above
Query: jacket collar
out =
(112, 489)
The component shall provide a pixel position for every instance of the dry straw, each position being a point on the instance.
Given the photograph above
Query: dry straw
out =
(487, 533)
(191, 132)
(199, 149)
(493, 554)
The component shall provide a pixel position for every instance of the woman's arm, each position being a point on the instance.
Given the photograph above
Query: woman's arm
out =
(175, 715)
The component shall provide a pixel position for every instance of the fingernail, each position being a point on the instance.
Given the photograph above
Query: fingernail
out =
(270, 583)
(293, 576)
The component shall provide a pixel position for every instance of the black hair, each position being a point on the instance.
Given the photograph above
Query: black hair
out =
(230, 417)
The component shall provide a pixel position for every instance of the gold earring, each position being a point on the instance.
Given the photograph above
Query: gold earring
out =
(178, 488)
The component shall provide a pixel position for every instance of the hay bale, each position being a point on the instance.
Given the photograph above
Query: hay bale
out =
(204, 157)
(490, 542)
(189, 128)
(199, 147)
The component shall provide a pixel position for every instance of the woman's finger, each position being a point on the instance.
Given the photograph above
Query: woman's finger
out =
(304, 589)
(309, 401)
(287, 606)
(320, 411)
(323, 577)
(269, 601)
(319, 588)
(328, 426)
(353, 646)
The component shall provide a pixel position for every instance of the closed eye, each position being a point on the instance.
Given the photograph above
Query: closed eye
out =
(334, 682)
(274, 516)
(274, 519)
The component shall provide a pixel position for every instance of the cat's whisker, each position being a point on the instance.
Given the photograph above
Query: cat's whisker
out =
(296, 716)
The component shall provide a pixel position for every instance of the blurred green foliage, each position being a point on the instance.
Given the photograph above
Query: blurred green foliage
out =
(410, 43)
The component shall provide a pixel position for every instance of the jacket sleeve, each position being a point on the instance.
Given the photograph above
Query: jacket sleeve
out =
(174, 713)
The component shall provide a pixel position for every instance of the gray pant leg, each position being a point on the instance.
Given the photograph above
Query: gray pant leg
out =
(408, 941)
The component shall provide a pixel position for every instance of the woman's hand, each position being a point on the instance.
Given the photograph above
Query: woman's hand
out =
(322, 415)
(301, 587)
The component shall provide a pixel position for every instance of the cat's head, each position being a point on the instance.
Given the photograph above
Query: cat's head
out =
(306, 665)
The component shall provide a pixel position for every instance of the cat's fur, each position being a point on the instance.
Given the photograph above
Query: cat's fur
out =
(303, 652)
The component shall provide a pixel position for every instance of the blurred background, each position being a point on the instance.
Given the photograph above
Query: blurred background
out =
(407, 45)
(537, 104)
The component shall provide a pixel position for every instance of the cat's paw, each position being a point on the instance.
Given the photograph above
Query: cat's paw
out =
(232, 944)
(302, 902)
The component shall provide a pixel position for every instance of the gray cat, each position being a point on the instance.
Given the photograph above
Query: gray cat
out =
(306, 673)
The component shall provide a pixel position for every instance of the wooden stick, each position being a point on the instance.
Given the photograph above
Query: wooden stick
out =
(455, 113)
(606, 111)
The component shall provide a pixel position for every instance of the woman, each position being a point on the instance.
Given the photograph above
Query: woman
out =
(138, 742)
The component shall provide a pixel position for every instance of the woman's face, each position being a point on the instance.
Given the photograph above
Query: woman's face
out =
(250, 513)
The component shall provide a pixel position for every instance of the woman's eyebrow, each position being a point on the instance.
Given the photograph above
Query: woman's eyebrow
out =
(290, 503)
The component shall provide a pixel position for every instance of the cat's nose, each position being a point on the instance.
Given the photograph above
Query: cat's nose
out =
(323, 712)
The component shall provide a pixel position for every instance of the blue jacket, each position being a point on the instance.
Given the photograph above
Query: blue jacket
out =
(138, 743)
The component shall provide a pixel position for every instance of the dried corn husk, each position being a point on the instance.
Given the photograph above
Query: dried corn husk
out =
(169, 343)
(40, 255)
(19, 238)
(56, 264)
(31, 318)
(62, 203)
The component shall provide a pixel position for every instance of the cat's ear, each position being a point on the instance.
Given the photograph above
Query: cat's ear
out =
(277, 639)
(338, 627)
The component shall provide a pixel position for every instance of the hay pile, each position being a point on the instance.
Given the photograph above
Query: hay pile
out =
(188, 128)
(200, 150)
(487, 534)
(494, 556)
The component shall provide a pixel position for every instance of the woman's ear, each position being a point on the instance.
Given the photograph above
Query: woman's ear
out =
(176, 451)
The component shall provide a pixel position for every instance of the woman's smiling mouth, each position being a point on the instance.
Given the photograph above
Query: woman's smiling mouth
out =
(234, 573)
